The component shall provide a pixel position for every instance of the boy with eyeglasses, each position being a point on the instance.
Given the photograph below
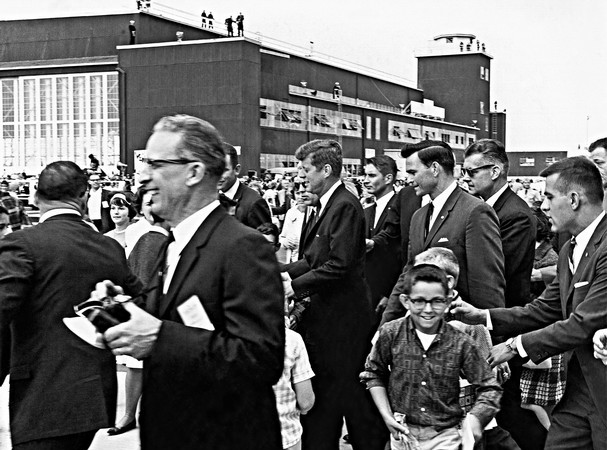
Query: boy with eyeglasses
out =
(413, 370)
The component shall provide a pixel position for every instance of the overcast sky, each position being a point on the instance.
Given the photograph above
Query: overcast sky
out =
(550, 56)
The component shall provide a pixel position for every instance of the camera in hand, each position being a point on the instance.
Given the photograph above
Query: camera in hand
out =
(104, 313)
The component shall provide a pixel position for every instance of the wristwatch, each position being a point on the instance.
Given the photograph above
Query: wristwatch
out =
(511, 345)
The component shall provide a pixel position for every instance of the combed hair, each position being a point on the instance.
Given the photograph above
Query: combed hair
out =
(199, 140)
(577, 172)
(441, 257)
(432, 151)
(321, 152)
(62, 180)
(598, 143)
(230, 151)
(425, 272)
(491, 149)
(385, 165)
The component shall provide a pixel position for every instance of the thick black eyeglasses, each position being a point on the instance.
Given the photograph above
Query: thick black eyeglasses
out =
(472, 172)
(437, 303)
(156, 163)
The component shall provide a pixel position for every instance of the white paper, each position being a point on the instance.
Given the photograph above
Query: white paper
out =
(85, 330)
(194, 315)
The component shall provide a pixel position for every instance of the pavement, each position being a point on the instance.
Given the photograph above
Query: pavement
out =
(126, 441)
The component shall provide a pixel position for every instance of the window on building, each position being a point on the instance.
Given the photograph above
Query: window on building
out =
(470, 141)
(369, 127)
(377, 128)
(487, 74)
(482, 73)
(481, 108)
(347, 125)
(414, 133)
(263, 111)
(322, 121)
(527, 162)
(487, 124)
(396, 131)
(551, 160)
(445, 137)
(289, 115)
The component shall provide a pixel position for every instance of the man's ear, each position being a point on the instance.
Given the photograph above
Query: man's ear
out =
(450, 282)
(403, 300)
(328, 170)
(196, 173)
(237, 169)
(574, 200)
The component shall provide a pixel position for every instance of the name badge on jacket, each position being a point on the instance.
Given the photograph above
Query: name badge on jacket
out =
(193, 314)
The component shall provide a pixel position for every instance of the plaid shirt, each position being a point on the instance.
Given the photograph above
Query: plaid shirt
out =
(296, 369)
(16, 213)
(424, 384)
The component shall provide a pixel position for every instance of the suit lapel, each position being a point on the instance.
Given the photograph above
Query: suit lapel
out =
(370, 212)
(189, 257)
(443, 215)
(384, 214)
(501, 200)
(312, 229)
(589, 252)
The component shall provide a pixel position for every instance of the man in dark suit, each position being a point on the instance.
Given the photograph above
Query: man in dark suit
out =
(214, 345)
(407, 202)
(338, 321)
(486, 172)
(383, 260)
(571, 309)
(62, 390)
(458, 221)
(248, 207)
(98, 205)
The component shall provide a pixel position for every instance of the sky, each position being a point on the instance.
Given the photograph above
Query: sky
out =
(550, 56)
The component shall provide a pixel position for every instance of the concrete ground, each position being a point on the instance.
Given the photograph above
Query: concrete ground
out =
(126, 441)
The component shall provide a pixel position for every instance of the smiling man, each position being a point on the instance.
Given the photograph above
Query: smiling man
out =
(570, 310)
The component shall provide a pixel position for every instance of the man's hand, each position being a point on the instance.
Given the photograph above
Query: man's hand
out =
(536, 275)
(369, 244)
(395, 428)
(600, 345)
(500, 353)
(472, 423)
(136, 337)
(465, 312)
(286, 285)
(502, 372)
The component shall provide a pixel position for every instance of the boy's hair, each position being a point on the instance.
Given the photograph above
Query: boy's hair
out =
(425, 272)
(442, 258)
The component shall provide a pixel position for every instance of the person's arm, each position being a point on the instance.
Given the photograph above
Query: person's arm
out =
(380, 398)
(484, 258)
(518, 233)
(305, 395)
(259, 213)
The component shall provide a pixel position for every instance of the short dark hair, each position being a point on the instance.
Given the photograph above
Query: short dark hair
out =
(62, 180)
(199, 139)
(493, 150)
(580, 172)
(425, 272)
(598, 143)
(431, 151)
(321, 152)
(543, 225)
(123, 199)
(230, 151)
(385, 165)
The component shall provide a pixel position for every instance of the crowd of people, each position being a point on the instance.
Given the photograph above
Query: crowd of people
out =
(446, 312)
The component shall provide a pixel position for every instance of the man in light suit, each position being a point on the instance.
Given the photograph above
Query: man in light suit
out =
(383, 260)
(62, 390)
(338, 320)
(486, 172)
(248, 206)
(571, 309)
(214, 345)
(458, 221)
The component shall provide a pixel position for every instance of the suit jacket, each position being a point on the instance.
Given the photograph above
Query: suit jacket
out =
(470, 228)
(331, 273)
(518, 230)
(206, 389)
(106, 219)
(383, 262)
(408, 202)
(251, 209)
(59, 384)
(567, 314)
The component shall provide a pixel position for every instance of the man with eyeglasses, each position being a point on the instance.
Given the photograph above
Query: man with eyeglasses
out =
(485, 170)
(212, 339)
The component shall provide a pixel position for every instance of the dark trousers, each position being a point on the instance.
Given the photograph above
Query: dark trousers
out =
(338, 399)
(522, 424)
(78, 441)
(576, 422)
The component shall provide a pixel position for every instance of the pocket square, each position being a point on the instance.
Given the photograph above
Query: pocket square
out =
(443, 239)
(580, 284)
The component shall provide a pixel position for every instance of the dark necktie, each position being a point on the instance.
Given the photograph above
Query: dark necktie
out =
(572, 244)
(162, 270)
(428, 219)
(371, 224)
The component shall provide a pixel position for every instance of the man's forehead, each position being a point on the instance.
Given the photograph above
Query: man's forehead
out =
(599, 152)
(163, 143)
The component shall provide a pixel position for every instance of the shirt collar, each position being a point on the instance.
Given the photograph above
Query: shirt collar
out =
(327, 195)
(491, 200)
(57, 212)
(184, 232)
(382, 202)
(441, 198)
(230, 193)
